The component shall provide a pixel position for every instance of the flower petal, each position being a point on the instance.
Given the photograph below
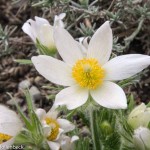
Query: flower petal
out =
(67, 46)
(65, 125)
(52, 113)
(9, 122)
(61, 131)
(41, 113)
(53, 145)
(110, 95)
(28, 30)
(46, 130)
(141, 138)
(100, 46)
(74, 138)
(125, 66)
(40, 21)
(45, 35)
(53, 70)
(72, 97)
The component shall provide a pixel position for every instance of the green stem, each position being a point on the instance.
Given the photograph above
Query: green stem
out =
(93, 130)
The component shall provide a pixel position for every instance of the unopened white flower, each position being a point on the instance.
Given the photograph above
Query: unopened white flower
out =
(53, 127)
(92, 74)
(139, 116)
(10, 126)
(67, 143)
(141, 138)
(41, 30)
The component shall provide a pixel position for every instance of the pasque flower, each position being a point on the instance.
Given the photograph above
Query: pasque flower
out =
(10, 126)
(141, 138)
(54, 127)
(91, 74)
(67, 143)
(41, 30)
(139, 116)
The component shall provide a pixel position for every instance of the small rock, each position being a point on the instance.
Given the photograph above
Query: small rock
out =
(35, 93)
(12, 103)
(37, 79)
(24, 84)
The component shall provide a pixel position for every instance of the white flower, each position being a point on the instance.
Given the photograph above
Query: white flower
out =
(92, 74)
(41, 29)
(141, 138)
(10, 126)
(67, 143)
(53, 127)
(139, 116)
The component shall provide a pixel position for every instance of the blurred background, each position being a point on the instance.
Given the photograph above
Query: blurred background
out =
(130, 22)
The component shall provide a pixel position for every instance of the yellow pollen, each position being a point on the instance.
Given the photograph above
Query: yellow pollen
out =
(4, 138)
(88, 73)
(54, 128)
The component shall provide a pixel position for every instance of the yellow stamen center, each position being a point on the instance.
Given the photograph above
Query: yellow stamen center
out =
(88, 73)
(54, 128)
(4, 138)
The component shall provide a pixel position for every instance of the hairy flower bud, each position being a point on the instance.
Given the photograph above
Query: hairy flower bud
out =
(41, 32)
(140, 116)
(141, 138)
(106, 128)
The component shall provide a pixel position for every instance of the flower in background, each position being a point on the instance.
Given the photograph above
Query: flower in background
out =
(67, 143)
(53, 127)
(91, 74)
(141, 138)
(41, 32)
(10, 126)
(139, 116)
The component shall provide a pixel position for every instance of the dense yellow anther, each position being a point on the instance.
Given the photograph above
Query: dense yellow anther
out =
(88, 73)
(4, 138)
(54, 128)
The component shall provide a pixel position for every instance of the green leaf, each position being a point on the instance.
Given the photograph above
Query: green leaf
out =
(23, 61)
(23, 117)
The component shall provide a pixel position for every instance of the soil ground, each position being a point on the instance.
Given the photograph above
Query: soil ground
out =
(20, 46)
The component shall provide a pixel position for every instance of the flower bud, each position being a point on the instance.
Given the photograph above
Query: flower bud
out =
(106, 128)
(140, 116)
(141, 138)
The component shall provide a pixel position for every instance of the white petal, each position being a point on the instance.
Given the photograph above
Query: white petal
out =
(52, 113)
(45, 35)
(138, 143)
(100, 46)
(125, 66)
(142, 135)
(41, 113)
(67, 46)
(74, 138)
(40, 21)
(6, 145)
(53, 145)
(61, 131)
(10, 123)
(110, 95)
(65, 125)
(28, 30)
(72, 97)
(46, 130)
(53, 70)
(62, 15)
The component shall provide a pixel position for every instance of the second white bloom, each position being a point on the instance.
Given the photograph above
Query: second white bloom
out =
(53, 127)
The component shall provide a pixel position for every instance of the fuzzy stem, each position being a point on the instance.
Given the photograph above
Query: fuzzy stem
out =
(92, 129)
